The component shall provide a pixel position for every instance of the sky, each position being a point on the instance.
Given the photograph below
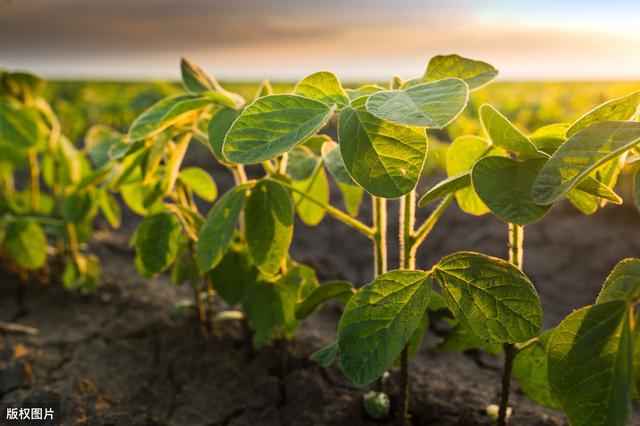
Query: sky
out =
(288, 39)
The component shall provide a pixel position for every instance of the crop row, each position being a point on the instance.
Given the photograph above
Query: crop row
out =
(588, 366)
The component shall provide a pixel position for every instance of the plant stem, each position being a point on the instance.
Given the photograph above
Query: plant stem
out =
(34, 172)
(336, 213)
(176, 160)
(516, 252)
(73, 240)
(380, 235)
(423, 231)
(407, 261)
(240, 178)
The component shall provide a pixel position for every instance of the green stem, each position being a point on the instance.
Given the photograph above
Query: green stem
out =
(407, 261)
(423, 231)
(380, 235)
(34, 173)
(336, 213)
(516, 252)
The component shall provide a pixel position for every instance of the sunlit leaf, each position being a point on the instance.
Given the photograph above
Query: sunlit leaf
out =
(504, 134)
(200, 182)
(324, 87)
(620, 109)
(475, 73)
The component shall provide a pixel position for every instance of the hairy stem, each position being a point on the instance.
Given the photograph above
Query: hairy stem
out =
(516, 252)
(407, 261)
(34, 173)
(380, 235)
(423, 230)
(240, 178)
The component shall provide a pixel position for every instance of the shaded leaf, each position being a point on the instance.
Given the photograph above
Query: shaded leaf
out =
(326, 355)
(338, 290)
(26, 243)
(218, 127)
(622, 283)
(448, 186)
(157, 241)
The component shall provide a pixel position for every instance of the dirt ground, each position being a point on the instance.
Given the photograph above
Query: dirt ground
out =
(120, 357)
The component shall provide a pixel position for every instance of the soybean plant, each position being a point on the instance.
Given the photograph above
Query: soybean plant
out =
(63, 193)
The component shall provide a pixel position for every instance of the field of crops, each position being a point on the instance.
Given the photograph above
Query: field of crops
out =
(446, 250)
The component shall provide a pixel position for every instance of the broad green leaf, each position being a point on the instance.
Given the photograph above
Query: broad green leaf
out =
(333, 160)
(548, 138)
(79, 206)
(326, 355)
(461, 339)
(83, 274)
(504, 134)
(157, 241)
(448, 186)
(302, 163)
(165, 113)
(623, 283)
(432, 105)
(185, 270)
(26, 243)
(270, 307)
(218, 127)
(590, 365)
(324, 87)
(581, 154)
(461, 155)
(338, 290)
(504, 185)
(218, 228)
(315, 142)
(200, 182)
(530, 371)
(592, 186)
(234, 273)
(585, 203)
(385, 158)
(620, 109)
(363, 91)
(475, 73)
(415, 342)
(269, 225)
(110, 208)
(378, 322)
(272, 125)
(352, 196)
(317, 187)
(98, 142)
(490, 297)
(18, 126)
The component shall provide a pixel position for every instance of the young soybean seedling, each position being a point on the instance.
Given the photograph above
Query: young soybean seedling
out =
(383, 145)
(504, 185)
(62, 196)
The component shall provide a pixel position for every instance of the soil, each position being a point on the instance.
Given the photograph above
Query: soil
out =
(121, 357)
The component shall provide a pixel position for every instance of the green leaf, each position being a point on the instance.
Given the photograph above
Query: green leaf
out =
(270, 307)
(234, 273)
(446, 187)
(475, 73)
(461, 339)
(219, 127)
(326, 355)
(18, 126)
(549, 138)
(194, 78)
(598, 189)
(335, 165)
(620, 109)
(432, 105)
(79, 206)
(200, 182)
(272, 125)
(339, 290)
(581, 154)
(110, 208)
(530, 371)
(157, 241)
(590, 367)
(302, 163)
(490, 297)
(218, 228)
(269, 225)
(504, 185)
(378, 322)
(99, 141)
(386, 159)
(165, 113)
(324, 87)
(623, 283)
(504, 134)
(461, 156)
(26, 243)
(317, 187)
